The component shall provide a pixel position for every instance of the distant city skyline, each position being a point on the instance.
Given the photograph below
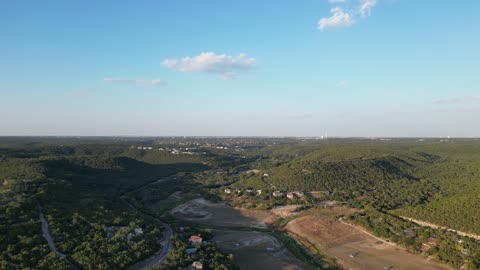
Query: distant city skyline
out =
(352, 68)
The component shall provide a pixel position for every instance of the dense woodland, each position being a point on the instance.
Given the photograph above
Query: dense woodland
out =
(416, 177)
(79, 187)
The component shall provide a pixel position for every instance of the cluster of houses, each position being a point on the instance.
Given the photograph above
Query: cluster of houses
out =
(195, 240)
(174, 151)
(136, 232)
(290, 195)
(145, 148)
(191, 148)
(295, 195)
(248, 190)
(112, 230)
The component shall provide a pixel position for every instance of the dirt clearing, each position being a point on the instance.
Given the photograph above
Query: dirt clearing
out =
(286, 210)
(353, 248)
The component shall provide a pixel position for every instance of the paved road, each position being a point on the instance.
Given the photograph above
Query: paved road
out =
(159, 256)
(162, 253)
(51, 244)
(151, 261)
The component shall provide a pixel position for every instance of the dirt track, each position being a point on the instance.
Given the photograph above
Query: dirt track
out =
(435, 226)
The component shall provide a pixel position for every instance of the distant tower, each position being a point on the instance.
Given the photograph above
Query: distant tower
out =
(326, 135)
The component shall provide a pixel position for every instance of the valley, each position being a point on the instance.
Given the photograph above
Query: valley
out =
(278, 203)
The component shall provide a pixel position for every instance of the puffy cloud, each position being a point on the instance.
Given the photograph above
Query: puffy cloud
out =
(339, 18)
(366, 7)
(220, 64)
(135, 81)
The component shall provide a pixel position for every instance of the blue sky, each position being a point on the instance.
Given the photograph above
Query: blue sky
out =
(262, 68)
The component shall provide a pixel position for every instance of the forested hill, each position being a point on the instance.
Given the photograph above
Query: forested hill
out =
(433, 180)
(80, 188)
(391, 180)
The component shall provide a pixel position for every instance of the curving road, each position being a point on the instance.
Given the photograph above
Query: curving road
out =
(143, 265)
(51, 244)
(160, 255)
(166, 245)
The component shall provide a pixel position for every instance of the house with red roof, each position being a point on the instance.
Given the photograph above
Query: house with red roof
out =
(195, 239)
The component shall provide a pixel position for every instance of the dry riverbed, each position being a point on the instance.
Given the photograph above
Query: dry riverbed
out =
(220, 214)
(255, 250)
(252, 250)
(351, 247)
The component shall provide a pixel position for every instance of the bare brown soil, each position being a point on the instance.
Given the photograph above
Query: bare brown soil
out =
(339, 240)
(285, 211)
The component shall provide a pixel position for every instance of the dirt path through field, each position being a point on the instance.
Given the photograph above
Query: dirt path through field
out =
(353, 248)
(435, 226)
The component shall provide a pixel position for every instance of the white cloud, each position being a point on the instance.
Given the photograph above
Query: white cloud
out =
(220, 64)
(366, 7)
(339, 18)
(135, 81)
(342, 83)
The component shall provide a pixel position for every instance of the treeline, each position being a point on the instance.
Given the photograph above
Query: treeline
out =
(444, 246)
(459, 212)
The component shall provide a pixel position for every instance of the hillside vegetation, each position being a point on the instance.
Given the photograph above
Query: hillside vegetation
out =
(433, 181)
(79, 188)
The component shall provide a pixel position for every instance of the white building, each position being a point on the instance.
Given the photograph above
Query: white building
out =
(277, 194)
